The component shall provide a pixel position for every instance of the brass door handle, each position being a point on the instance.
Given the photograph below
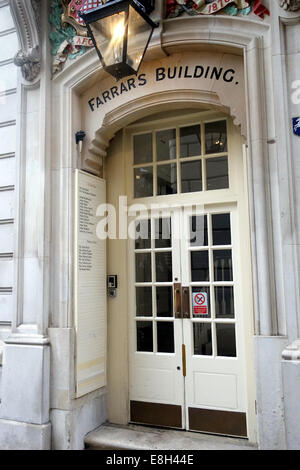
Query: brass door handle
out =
(183, 361)
(185, 302)
(177, 300)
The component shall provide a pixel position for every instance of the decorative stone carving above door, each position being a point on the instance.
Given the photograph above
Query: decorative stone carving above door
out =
(211, 7)
(290, 5)
(26, 15)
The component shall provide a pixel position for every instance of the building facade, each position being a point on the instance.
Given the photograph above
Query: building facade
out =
(199, 328)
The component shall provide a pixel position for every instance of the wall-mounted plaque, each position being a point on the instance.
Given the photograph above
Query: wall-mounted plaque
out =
(89, 285)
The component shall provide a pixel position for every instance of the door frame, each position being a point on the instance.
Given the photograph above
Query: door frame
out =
(236, 171)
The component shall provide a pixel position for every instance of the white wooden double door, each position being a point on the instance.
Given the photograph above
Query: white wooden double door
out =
(187, 358)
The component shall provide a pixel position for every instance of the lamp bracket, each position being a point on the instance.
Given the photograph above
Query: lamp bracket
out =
(146, 5)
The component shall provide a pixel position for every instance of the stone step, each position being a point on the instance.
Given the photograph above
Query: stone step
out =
(136, 437)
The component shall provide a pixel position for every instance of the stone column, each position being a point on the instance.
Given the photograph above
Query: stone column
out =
(290, 21)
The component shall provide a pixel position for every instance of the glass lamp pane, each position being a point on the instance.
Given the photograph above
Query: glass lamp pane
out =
(139, 32)
(109, 34)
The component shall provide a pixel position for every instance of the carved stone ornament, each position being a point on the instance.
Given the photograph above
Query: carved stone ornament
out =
(212, 7)
(70, 13)
(290, 5)
(26, 15)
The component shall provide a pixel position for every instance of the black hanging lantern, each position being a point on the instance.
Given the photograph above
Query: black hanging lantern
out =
(121, 31)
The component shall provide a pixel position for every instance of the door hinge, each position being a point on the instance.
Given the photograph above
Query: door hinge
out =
(183, 361)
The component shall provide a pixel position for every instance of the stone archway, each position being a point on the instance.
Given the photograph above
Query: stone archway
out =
(144, 107)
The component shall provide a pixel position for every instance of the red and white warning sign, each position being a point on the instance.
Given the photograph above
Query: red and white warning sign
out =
(200, 306)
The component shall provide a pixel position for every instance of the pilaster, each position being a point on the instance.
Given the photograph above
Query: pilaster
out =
(25, 399)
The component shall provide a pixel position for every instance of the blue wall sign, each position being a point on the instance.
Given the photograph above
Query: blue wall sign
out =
(296, 126)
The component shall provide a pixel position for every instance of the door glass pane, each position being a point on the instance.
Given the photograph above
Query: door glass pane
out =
(190, 141)
(215, 137)
(143, 267)
(202, 339)
(165, 337)
(166, 179)
(143, 182)
(163, 263)
(226, 340)
(143, 234)
(191, 177)
(144, 336)
(142, 148)
(222, 265)
(143, 296)
(166, 145)
(201, 308)
(198, 230)
(164, 301)
(199, 266)
(217, 173)
(224, 302)
(221, 229)
(163, 233)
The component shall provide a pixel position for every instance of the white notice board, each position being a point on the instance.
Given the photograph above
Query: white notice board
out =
(89, 285)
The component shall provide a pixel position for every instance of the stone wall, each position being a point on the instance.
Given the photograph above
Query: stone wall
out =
(8, 115)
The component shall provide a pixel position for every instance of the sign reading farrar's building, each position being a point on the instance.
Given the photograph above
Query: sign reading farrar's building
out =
(219, 76)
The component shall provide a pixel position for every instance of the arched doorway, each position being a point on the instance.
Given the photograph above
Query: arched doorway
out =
(182, 318)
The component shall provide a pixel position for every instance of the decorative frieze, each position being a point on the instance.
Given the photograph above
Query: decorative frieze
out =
(212, 7)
